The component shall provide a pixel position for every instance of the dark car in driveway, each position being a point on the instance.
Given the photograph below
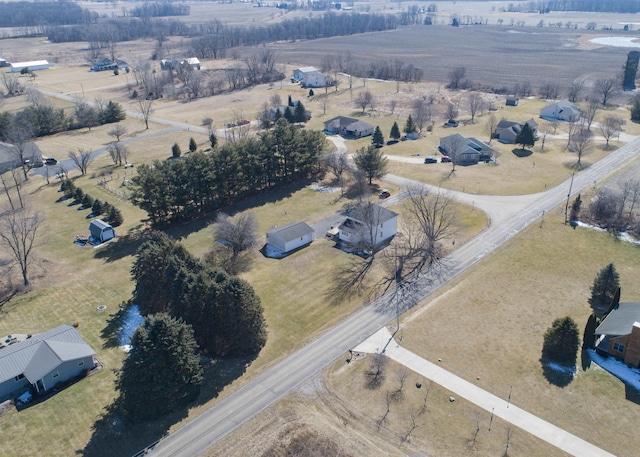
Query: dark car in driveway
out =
(50, 161)
(430, 160)
(385, 193)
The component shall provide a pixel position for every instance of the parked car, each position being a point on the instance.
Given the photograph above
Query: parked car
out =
(385, 193)
(244, 122)
(445, 159)
(430, 160)
(37, 163)
(50, 161)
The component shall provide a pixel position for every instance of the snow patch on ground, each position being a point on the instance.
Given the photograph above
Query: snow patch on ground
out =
(319, 188)
(617, 41)
(131, 320)
(630, 376)
(622, 236)
(569, 371)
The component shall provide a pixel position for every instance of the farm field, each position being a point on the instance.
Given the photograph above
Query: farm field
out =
(529, 285)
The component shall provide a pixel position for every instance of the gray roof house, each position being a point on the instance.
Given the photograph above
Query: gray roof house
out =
(105, 64)
(507, 131)
(10, 157)
(561, 111)
(348, 127)
(619, 333)
(291, 236)
(298, 73)
(465, 151)
(369, 223)
(44, 360)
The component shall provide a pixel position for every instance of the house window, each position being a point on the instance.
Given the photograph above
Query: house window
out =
(19, 377)
(618, 347)
(55, 375)
(80, 363)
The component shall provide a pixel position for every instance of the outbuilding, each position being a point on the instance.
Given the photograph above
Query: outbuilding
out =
(33, 65)
(101, 231)
(291, 236)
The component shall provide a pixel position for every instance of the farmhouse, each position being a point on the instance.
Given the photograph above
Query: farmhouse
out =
(369, 223)
(507, 131)
(291, 236)
(33, 65)
(173, 64)
(561, 111)
(465, 151)
(348, 127)
(10, 156)
(105, 64)
(44, 360)
(314, 79)
(101, 231)
(619, 333)
(298, 73)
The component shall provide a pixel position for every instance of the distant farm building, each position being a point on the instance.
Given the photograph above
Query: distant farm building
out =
(106, 64)
(42, 361)
(512, 100)
(348, 127)
(561, 111)
(33, 65)
(291, 236)
(101, 231)
(299, 73)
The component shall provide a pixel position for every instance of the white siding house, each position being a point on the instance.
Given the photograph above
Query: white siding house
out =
(298, 73)
(44, 360)
(368, 223)
(561, 111)
(314, 79)
(33, 65)
(291, 236)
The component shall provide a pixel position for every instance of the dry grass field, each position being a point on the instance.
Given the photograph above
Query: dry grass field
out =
(499, 321)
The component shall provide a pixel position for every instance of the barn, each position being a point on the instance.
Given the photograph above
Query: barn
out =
(33, 65)
(291, 236)
(101, 231)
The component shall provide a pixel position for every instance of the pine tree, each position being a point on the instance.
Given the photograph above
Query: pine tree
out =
(213, 140)
(162, 371)
(115, 217)
(114, 113)
(395, 132)
(96, 208)
(78, 195)
(300, 113)
(410, 126)
(526, 136)
(561, 342)
(290, 101)
(176, 151)
(605, 284)
(87, 201)
(193, 146)
(378, 138)
(575, 209)
(635, 110)
(371, 162)
(288, 115)
(311, 93)
(69, 188)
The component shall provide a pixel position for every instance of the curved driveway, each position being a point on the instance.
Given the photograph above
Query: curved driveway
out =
(255, 396)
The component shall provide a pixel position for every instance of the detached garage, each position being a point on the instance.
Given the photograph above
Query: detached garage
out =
(101, 231)
(291, 236)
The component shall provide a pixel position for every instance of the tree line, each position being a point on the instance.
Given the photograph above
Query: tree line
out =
(595, 6)
(25, 14)
(159, 9)
(174, 189)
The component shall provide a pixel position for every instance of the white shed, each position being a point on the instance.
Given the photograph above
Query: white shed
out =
(33, 65)
(101, 230)
(291, 236)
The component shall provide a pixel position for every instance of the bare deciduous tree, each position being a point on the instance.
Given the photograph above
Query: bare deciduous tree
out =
(275, 100)
(544, 130)
(422, 112)
(338, 163)
(476, 104)
(18, 232)
(363, 99)
(145, 110)
(576, 89)
(12, 84)
(233, 238)
(117, 132)
(118, 153)
(581, 144)
(605, 89)
(82, 159)
(375, 375)
(611, 128)
(452, 111)
(549, 91)
(19, 136)
(457, 78)
(490, 126)
(589, 113)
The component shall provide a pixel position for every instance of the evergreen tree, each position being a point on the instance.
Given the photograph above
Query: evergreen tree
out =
(589, 337)
(176, 151)
(371, 162)
(115, 217)
(635, 110)
(193, 146)
(575, 209)
(311, 94)
(410, 126)
(162, 371)
(300, 113)
(395, 132)
(561, 342)
(87, 201)
(96, 208)
(288, 115)
(78, 195)
(213, 139)
(290, 101)
(277, 116)
(70, 189)
(605, 284)
(113, 113)
(526, 136)
(378, 138)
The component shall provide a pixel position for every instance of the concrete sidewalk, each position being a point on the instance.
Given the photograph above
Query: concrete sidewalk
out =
(383, 342)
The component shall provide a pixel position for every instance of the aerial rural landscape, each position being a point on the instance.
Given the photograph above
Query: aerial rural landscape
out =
(318, 228)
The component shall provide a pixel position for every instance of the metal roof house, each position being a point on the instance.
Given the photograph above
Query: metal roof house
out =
(101, 231)
(291, 236)
(619, 333)
(44, 360)
(370, 223)
(33, 65)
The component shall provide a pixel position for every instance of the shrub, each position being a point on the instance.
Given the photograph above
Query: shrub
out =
(96, 208)
(87, 201)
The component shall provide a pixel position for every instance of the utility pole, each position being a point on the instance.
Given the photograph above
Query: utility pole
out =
(566, 208)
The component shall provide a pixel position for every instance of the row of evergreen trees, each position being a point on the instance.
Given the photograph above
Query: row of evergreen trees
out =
(172, 189)
(191, 309)
(112, 215)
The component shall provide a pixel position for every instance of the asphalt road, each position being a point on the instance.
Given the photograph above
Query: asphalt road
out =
(239, 407)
